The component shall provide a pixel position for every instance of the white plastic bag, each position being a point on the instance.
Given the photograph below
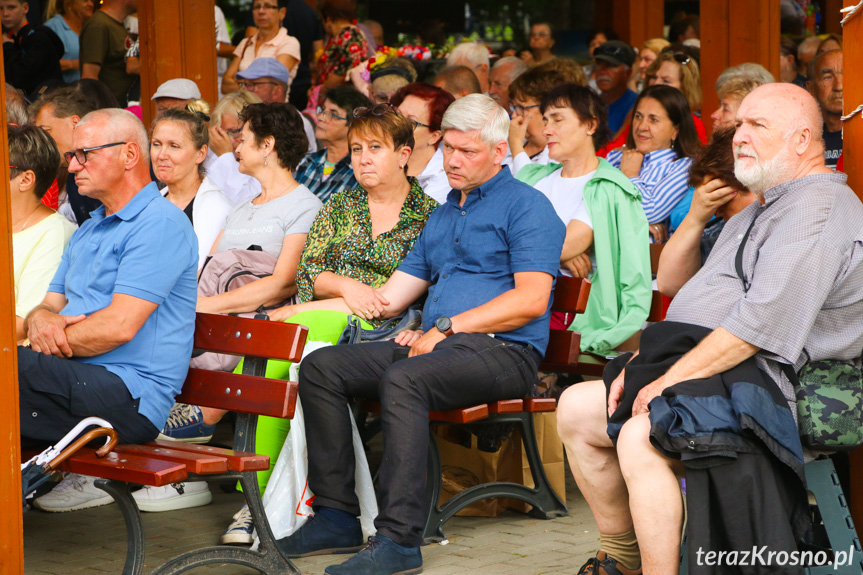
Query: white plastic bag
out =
(288, 500)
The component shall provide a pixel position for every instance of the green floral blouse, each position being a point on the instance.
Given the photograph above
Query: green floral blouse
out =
(340, 240)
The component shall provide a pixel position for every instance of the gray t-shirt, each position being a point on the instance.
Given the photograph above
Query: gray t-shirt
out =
(266, 225)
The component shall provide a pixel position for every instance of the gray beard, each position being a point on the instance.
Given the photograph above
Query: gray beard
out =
(765, 175)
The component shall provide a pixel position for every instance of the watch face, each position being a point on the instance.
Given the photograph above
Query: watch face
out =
(443, 324)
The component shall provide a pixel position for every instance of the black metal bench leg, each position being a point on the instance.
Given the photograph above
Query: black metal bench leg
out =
(135, 542)
(267, 559)
(546, 505)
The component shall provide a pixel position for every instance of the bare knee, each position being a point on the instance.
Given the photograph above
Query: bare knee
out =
(634, 450)
(581, 414)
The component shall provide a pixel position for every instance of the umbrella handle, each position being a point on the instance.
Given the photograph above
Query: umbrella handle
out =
(81, 442)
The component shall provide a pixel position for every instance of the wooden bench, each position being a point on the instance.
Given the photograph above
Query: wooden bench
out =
(165, 462)
(570, 296)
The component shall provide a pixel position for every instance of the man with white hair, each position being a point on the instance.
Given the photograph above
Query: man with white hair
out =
(475, 56)
(781, 287)
(732, 86)
(488, 258)
(501, 76)
(119, 314)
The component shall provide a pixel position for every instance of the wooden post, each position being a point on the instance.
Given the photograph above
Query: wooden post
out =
(732, 33)
(11, 522)
(852, 141)
(178, 40)
(634, 20)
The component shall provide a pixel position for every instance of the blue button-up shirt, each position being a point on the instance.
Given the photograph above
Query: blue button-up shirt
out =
(147, 250)
(470, 253)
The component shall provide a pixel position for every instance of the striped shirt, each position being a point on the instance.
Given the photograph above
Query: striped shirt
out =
(310, 173)
(662, 181)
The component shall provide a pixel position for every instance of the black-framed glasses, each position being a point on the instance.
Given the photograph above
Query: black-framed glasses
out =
(252, 86)
(417, 124)
(681, 58)
(376, 110)
(328, 114)
(257, 7)
(519, 110)
(81, 153)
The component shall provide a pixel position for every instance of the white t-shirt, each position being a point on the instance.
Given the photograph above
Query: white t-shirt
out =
(433, 178)
(567, 197)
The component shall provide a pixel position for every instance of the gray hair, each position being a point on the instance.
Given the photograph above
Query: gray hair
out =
(473, 52)
(121, 125)
(233, 103)
(16, 106)
(757, 73)
(518, 66)
(478, 112)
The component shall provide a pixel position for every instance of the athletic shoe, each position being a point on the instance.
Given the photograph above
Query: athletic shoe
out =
(317, 536)
(241, 531)
(173, 497)
(73, 493)
(382, 556)
(186, 423)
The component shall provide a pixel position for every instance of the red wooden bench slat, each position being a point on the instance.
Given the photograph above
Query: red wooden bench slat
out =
(506, 406)
(540, 404)
(656, 313)
(564, 346)
(466, 415)
(570, 295)
(199, 463)
(243, 393)
(655, 252)
(250, 337)
(126, 467)
(237, 460)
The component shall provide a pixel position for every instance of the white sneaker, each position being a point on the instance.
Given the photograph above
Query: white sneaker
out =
(241, 531)
(73, 493)
(173, 497)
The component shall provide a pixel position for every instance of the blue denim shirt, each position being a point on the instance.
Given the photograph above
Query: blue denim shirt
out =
(147, 250)
(470, 253)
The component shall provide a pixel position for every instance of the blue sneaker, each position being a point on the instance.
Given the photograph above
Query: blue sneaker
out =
(382, 556)
(186, 423)
(318, 536)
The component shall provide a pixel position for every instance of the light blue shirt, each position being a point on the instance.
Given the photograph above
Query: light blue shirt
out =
(662, 181)
(147, 250)
(70, 42)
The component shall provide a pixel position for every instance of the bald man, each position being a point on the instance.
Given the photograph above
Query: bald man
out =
(458, 81)
(783, 286)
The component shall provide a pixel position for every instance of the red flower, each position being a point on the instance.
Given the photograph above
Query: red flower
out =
(347, 35)
(354, 48)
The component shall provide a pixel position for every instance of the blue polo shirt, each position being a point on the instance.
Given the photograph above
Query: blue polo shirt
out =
(618, 110)
(469, 253)
(147, 250)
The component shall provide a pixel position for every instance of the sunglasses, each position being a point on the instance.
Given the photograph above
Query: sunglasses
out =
(377, 110)
(682, 58)
(81, 153)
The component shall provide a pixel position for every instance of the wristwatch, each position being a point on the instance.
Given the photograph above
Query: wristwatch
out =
(444, 325)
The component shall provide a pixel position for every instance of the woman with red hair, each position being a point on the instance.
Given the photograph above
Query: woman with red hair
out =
(424, 106)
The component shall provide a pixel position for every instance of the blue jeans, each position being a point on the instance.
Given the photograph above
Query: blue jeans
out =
(463, 370)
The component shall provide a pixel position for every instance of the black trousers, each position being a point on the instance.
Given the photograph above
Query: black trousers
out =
(463, 370)
(54, 394)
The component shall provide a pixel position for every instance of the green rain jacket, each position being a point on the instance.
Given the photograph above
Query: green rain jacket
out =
(622, 285)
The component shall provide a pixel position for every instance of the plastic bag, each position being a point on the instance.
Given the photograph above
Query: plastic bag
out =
(288, 500)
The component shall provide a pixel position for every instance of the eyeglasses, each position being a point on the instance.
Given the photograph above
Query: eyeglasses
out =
(252, 86)
(682, 58)
(234, 134)
(257, 7)
(519, 110)
(328, 114)
(81, 153)
(377, 110)
(417, 124)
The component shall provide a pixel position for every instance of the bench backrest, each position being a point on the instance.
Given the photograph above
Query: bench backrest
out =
(256, 340)
(570, 296)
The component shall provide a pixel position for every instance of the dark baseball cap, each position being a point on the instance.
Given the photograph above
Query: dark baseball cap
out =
(615, 53)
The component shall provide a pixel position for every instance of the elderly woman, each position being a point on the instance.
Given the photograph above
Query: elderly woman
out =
(178, 149)
(270, 41)
(527, 144)
(39, 234)
(650, 50)
(718, 196)
(357, 241)
(424, 106)
(65, 18)
(603, 217)
(658, 152)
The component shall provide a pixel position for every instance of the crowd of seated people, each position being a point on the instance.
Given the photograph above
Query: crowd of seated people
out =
(466, 196)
